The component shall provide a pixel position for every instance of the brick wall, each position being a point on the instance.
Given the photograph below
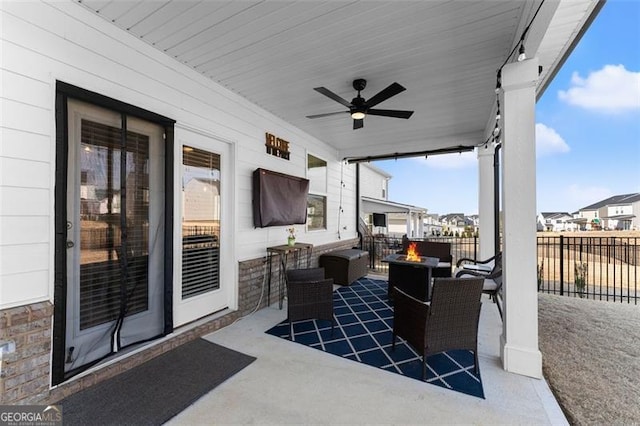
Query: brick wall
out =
(253, 275)
(25, 373)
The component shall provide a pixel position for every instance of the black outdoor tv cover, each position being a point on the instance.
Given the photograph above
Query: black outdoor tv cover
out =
(279, 199)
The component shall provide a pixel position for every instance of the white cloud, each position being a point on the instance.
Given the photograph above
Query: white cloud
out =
(613, 89)
(463, 160)
(548, 141)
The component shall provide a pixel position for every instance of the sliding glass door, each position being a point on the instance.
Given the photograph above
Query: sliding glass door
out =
(115, 233)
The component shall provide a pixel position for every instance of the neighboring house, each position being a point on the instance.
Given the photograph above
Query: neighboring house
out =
(432, 225)
(621, 212)
(374, 182)
(587, 219)
(453, 223)
(398, 219)
(556, 222)
(201, 198)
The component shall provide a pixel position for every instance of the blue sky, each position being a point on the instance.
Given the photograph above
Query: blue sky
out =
(587, 130)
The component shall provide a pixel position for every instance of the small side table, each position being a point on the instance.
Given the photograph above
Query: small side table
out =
(283, 253)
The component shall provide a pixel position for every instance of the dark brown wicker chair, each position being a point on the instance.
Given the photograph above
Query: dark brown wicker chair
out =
(309, 295)
(492, 279)
(448, 322)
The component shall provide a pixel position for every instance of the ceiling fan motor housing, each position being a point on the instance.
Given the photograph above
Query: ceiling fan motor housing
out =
(358, 104)
(359, 84)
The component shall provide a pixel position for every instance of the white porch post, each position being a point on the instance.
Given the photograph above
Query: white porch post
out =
(420, 225)
(519, 340)
(409, 218)
(486, 199)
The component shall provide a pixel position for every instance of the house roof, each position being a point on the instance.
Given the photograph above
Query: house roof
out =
(445, 53)
(621, 217)
(378, 170)
(554, 215)
(452, 216)
(615, 200)
(374, 205)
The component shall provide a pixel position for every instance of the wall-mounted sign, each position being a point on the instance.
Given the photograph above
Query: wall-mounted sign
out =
(276, 146)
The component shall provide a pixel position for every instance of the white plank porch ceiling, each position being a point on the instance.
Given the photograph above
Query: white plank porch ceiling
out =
(273, 53)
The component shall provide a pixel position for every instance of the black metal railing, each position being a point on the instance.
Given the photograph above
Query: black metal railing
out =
(601, 268)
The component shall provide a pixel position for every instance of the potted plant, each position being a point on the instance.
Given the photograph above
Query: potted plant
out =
(580, 277)
(540, 273)
(291, 239)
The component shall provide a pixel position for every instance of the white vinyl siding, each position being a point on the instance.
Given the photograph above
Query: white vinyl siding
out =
(372, 183)
(45, 42)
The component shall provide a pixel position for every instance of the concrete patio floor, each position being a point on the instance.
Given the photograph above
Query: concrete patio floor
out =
(290, 383)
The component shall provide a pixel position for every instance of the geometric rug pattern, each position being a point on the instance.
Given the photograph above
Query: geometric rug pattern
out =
(363, 332)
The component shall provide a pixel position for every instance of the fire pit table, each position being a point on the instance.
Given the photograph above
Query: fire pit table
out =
(411, 276)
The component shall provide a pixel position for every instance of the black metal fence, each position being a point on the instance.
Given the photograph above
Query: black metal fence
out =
(601, 268)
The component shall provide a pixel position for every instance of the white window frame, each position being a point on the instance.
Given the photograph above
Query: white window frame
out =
(317, 193)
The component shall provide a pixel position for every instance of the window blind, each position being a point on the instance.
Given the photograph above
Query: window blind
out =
(200, 222)
(113, 259)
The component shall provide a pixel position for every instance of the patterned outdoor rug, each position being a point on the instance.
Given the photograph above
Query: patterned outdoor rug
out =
(363, 333)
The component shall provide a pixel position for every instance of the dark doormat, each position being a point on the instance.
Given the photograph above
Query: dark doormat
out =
(157, 390)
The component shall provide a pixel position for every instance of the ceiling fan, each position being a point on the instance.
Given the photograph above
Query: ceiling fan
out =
(359, 108)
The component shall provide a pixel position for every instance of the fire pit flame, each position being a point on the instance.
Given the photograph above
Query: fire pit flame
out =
(412, 253)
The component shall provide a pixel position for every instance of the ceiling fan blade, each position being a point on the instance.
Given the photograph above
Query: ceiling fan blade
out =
(328, 93)
(392, 90)
(390, 113)
(326, 114)
(358, 124)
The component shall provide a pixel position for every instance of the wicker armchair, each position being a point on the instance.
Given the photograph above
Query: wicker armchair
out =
(448, 322)
(492, 279)
(309, 295)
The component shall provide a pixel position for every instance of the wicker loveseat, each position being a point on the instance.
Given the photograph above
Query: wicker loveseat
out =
(441, 250)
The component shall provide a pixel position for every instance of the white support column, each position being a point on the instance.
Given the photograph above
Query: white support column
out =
(486, 199)
(519, 340)
(420, 225)
(409, 224)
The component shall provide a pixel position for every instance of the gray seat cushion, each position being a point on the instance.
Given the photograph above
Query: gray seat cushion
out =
(488, 285)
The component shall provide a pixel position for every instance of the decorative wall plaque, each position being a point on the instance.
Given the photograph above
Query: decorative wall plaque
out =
(277, 146)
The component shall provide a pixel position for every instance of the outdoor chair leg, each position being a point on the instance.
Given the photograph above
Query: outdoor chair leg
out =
(495, 299)
(424, 367)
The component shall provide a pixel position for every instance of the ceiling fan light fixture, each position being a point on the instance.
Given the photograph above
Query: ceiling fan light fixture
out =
(357, 115)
